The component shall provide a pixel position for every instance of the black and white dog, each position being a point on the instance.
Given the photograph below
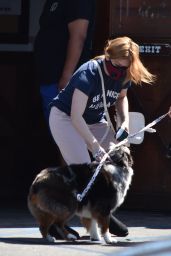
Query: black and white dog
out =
(52, 198)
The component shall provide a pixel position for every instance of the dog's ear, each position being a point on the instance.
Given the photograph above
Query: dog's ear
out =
(127, 158)
(121, 156)
(115, 153)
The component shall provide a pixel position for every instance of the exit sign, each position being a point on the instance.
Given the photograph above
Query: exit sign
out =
(155, 49)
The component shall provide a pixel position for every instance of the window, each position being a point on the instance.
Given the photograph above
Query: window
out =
(140, 18)
(14, 20)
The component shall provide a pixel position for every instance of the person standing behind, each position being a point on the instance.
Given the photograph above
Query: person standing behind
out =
(63, 42)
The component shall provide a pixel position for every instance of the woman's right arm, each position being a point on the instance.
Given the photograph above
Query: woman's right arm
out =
(79, 102)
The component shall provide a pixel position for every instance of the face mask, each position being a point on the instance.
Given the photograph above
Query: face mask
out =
(115, 72)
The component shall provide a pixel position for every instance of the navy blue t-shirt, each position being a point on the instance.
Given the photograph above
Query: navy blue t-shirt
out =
(87, 80)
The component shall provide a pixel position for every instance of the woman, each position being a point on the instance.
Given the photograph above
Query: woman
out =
(77, 121)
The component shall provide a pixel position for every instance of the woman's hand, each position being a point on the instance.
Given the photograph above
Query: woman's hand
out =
(97, 151)
(122, 133)
(99, 154)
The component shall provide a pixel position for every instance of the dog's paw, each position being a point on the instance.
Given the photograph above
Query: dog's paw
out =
(92, 239)
(108, 239)
(71, 237)
(95, 237)
(49, 238)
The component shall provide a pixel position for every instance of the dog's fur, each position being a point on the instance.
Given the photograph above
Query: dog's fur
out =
(52, 196)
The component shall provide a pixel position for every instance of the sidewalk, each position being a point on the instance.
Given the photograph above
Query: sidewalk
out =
(19, 234)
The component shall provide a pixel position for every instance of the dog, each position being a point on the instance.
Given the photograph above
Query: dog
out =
(52, 197)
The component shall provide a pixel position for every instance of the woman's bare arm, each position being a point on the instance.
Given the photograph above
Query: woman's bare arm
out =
(79, 102)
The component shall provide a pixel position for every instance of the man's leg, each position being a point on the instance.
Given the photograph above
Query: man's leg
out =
(54, 233)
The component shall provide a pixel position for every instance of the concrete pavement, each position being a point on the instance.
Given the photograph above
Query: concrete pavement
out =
(19, 234)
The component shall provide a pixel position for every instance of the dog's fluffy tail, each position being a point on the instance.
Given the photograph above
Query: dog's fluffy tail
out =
(56, 201)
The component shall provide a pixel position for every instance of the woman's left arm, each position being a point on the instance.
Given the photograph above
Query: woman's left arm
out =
(122, 110)
(79, 102)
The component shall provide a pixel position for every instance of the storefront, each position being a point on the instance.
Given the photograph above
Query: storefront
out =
(25, 144)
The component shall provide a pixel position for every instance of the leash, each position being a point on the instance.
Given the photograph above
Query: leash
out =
(147, 127)
(82, 195)
(109, 123)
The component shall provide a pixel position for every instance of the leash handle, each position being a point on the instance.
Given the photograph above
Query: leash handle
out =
(157, 120)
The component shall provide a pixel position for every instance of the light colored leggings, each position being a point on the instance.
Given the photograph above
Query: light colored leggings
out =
(72, 146)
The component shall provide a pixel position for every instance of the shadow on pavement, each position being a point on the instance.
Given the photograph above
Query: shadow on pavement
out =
(82, 241)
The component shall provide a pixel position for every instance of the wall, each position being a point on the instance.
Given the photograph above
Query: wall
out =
(149, 27)
(26, 146)
(147, 23)
(34, 13)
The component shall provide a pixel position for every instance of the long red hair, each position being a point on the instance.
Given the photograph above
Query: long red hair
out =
(125, 47)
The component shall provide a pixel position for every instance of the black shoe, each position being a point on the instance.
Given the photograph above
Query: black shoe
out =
(53, 232)
(117, 228)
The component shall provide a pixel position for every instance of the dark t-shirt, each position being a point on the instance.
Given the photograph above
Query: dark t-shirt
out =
(52, 38)
(87, 80)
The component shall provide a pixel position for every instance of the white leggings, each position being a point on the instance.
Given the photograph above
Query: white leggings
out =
(72, 146)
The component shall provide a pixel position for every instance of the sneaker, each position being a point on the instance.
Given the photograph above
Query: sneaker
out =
(54, 233)
(117, 228)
